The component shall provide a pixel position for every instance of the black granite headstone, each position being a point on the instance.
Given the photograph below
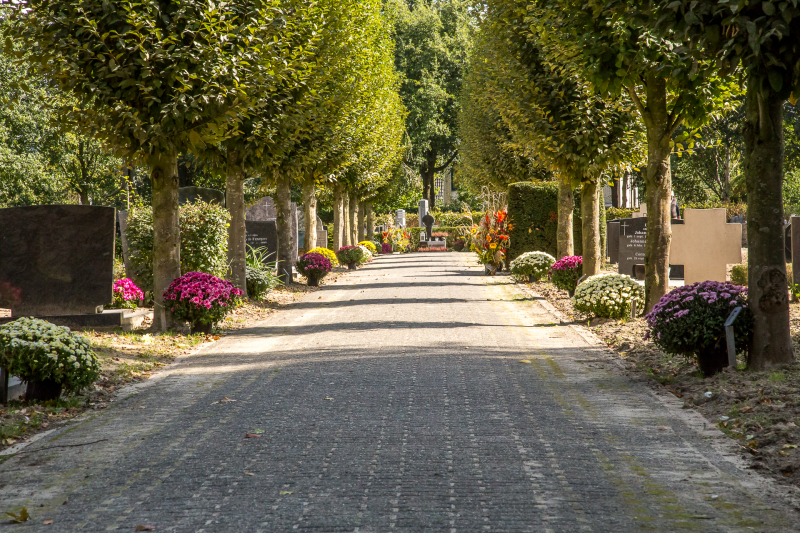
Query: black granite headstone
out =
(193, 194)
(56, 259)
(428, 220)
(787, 242)
(264, 234)
(632, 240)
(612, 236)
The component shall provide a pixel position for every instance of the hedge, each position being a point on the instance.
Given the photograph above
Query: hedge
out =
(452, 234)
(533, 217)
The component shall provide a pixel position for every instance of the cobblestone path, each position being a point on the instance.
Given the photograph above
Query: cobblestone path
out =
(394, 400)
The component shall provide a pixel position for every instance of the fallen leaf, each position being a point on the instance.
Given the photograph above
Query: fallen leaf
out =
(249, 474)
(47, 522)
(252, 436)
(788, 446)
(746, 409)
(23, 516)
(284, 492)
(525, 361)
(145, 528)
(259, 431)
(326, 398)
(225, 399)
(663, 428)
(142, 407)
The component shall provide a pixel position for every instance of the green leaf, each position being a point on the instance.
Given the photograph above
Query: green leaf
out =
(769, 8)
(775, 80)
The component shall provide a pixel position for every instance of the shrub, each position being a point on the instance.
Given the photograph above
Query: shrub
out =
(350, 254)
(386, 248)
(126, 294)
(36, 350)
(565, 272)
(201, 298)
(533, 218)
(327, 253)
(532, 264)
(204, 241)
(619, 212)
(313, 265)
(260, 274)
(690, 321)
(739, 274)
(369, 246)
(609, 296)
(367, 255)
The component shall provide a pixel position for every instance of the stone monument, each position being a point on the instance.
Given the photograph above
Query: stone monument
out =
(423, 210)
(400, 218)
(193, 194)
(56, 259)
(641, 213)
(705, 245)
(264, 210)
(612, 241)
(262, 234)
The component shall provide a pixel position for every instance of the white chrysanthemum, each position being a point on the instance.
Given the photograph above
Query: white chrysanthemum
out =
(532, 264)
(609, 296)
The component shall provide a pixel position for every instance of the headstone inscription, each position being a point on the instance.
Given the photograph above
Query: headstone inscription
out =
(262, 234)
(631, 248)
(423, 210)
(612, 236)
(265, 210)
(428, 220)
(193, 194)
(56, 259)
(705, 245)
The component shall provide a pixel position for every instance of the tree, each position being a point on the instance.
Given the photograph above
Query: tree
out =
(618, 52)
(764, 38)
(554, 116)
(432, 43)
(153, 78)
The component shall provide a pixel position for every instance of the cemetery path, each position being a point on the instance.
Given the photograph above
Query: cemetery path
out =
(394, 400)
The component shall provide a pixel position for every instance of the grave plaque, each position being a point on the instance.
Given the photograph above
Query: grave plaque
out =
(612, 237)
(632, 237)
(188, 195)
(262, 234)
(56, 259)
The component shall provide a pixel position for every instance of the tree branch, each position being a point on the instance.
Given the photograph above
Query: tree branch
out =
(452, 157)
(636, 101)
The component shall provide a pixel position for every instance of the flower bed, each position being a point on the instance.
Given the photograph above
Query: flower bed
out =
(609, 296)
(690, 320)
(201, 299)
(565, 272)
(532, 265)
(126, 294)
(47, 356)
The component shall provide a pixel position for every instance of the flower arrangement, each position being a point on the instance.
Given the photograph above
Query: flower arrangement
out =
(327, 253)
(369, 246)
(398, 238)
(386, 248)
(40, 352)
(313, 266)
(459, 245)
(126, 294)
(490, 239)
(350, 256)
(565, 272)
(201, 299)
(532, 265)
(690, 321)
(609, 296)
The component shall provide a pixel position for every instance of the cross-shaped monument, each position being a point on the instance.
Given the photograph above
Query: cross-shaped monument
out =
(705, 244)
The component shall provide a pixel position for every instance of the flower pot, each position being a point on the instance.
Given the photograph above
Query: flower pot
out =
(532, 278)
(199, 327)
(351, 266)
(313, 281)
(713, 361)
(571, 293)
(43, 391)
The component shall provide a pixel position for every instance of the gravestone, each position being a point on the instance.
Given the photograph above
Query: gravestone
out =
(428, 220)
(56, 259)
(400, 218)
(705, 245)
(795, 225)
(787, 242)
(612, 240)
(262, 234)
(631, 248)
(262, 210)
(188, 195)
(423, 210)
(641, 213)
(122, 217)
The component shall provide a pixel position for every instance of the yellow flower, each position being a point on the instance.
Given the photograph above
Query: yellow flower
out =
(493, 245)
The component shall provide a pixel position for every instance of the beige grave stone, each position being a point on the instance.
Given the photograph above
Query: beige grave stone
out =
(705, 244)
(642, 213)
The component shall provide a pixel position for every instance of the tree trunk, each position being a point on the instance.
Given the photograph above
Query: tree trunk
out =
(361, 215)
(603, 229)
(346, 241)
(352, 219)
(566, 206)
(83, 195)
(726, 186)
(283, 203)
(767, 284)
(624, 193)
(338, 217)
(370, 222)
(659, 193)
(234, 198)
(428, 173)
(590, 228)
(166, 232)
(310, 214)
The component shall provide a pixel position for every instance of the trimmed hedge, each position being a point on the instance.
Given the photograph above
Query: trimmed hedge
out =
(534, 207)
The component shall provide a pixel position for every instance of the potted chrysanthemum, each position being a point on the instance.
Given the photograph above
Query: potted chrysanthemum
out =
(314, 267)
(126, 294)
(201, 299)
(565, 273)
(350, 256)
